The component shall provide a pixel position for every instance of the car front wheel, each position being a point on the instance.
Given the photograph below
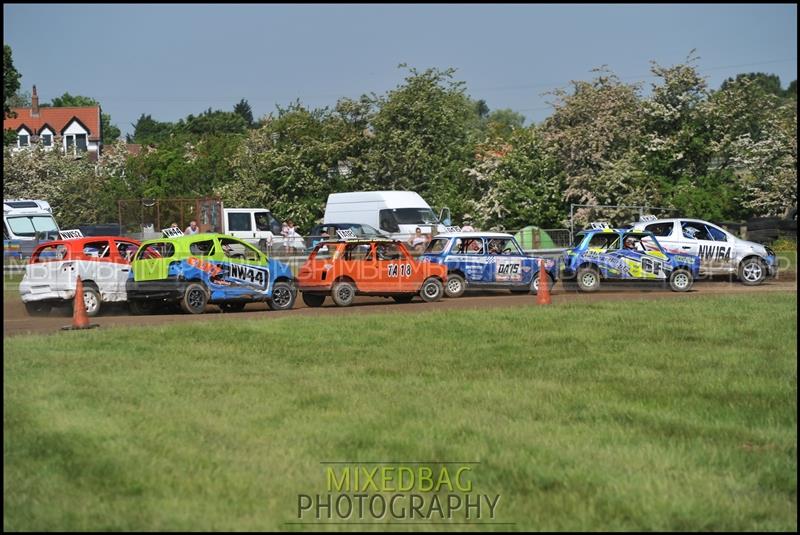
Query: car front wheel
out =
(680, 280)
(432, 290)
(588, 279)
(283, 296)
(535, 283)
(752, 271)
(455, 286)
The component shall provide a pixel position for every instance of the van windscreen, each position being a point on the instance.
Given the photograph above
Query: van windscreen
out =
(415, 216)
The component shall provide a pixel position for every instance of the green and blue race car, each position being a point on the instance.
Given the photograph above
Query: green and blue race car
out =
(198, 269)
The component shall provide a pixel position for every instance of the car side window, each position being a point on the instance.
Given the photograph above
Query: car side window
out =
(202, 248)
(716, 234)
(660, 229)
(604, 241)
(357, 251)
(236, 249)
(694, 231)
(388, 251)
(126, 249)
(96, 249)
(437, 245)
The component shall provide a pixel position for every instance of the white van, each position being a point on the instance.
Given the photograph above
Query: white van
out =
(257, 226)
(396, 213)
(28, 220)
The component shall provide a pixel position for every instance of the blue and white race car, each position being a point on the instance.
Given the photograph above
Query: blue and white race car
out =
(624, 254)
(490, 260)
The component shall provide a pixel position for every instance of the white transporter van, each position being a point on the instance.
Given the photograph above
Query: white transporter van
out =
(28, 220)
(257, 226)
(395, 213)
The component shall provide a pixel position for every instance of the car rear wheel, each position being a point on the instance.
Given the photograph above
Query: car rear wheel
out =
(752, 271)
(313, 300)
(456, 285)
(91, 300)
(588, 279)
(283, 296)
(231, 307)
(343, 293)
(403, 298)
(37, 308)
(432, 290)
(195, 298)
(680, 280)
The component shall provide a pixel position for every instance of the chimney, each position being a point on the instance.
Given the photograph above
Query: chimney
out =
(34, 103)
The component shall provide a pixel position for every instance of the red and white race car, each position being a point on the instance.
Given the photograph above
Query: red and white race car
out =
(103, 263)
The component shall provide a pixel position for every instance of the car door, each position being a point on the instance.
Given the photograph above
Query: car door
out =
(698, 240)
(396, 268)
(122, 254)
(469, 255)
(667, 235)
(96, 264)
(724, 257)
(509, 263)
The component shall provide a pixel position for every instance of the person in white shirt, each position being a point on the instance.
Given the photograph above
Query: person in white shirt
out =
(192, 228)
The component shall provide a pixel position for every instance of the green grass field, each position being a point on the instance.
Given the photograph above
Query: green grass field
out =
(668, 415)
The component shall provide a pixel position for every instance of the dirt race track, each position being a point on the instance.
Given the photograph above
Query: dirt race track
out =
(16, 320)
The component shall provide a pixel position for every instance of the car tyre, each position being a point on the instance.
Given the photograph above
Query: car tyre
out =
(752, 271)
(283, 296)
(38, 308)
(195, 298)
(588, 279)
(313, 300)
(432, 290)
(455, 286)
(403, 299)
(91, 300)
(343, 293)
(680, 280)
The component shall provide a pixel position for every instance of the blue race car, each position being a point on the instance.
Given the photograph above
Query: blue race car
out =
(623, 254)
(490, 260)
(207, 268)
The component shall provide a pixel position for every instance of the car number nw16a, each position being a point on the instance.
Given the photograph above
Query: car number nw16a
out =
(402, 270)
(248, 274)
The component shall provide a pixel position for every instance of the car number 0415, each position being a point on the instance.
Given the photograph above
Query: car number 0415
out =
(402, 270)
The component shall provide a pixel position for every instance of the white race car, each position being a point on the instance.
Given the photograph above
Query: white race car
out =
(720, 252)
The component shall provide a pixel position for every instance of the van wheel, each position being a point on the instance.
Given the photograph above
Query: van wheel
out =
(195, 298)
(38, 308)
(403, 299)
(343, 293)
(91, 300)
(432, 290)
(313, 300)
(752, 271)
(680, 280)
(283, 296)
(456, 285)
(588, 279)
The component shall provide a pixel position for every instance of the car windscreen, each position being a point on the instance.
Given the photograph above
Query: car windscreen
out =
(415, 216)
(29, 225)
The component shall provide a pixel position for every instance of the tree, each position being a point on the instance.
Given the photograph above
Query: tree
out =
(110, 132)
(501, 123)
(212, 122)
(147, 130)
(10, 79)
(244, 110)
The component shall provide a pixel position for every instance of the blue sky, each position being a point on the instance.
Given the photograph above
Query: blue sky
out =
(173, 60)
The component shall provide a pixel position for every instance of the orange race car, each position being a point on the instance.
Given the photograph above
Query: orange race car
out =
(343, 269)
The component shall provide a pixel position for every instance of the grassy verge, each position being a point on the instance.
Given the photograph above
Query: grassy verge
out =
(676, 415)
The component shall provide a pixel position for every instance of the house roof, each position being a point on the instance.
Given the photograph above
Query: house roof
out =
(56, 118)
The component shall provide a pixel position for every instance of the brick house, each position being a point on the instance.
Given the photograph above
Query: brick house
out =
(75, 130)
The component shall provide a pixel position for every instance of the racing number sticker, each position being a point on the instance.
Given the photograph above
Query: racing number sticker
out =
(509, 271)
(402, 270)
(249, 275)
(655, 267)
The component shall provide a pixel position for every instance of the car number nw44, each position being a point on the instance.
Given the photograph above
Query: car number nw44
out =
(248, 274)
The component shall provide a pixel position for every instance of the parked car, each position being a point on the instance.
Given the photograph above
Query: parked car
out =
(103, 263)
(624, 254)
(198, 269)
(720, 252)
(346, 268)
(486, 260)
(327, 231)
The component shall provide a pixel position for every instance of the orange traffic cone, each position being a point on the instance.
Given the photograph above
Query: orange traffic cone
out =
(79, 318)
(543, 295)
